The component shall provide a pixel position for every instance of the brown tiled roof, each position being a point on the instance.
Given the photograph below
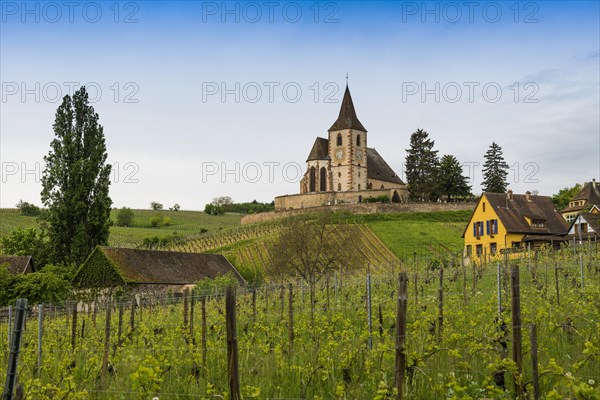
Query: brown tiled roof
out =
(593, 221)
(320, 150)
(512, 213)
(347, 118)
(378, 169)
(167, 267)
(590, 192)
(18, 264)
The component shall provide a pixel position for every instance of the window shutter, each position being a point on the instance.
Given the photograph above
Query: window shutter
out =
(474, 228)
(487, 227)
(495, 227)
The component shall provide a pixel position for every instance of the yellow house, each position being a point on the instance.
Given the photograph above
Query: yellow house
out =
(588, 196)
(507, 222)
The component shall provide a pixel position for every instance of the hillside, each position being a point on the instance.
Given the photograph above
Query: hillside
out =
(184, 223)
(384, 238)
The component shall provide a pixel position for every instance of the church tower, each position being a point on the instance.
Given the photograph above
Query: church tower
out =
(348, 149)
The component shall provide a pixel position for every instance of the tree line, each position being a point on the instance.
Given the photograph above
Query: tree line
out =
(431, 178)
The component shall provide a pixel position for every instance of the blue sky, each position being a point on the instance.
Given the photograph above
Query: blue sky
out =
(523, 74)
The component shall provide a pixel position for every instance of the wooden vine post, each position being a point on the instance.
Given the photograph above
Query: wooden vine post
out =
(106, 342)
(203, 339)
(291, 318)
(400, 363)
(441, 305)
(74, 326)
(232, 344)
(534, 362)
(516, 328)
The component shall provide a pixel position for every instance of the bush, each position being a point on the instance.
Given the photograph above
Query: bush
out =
(155, 221)
(378, 199)
(125, 217)
(28, 209)
(167, 221)
(156, 206)
(175, 207)
(218, 284)
(213, 209)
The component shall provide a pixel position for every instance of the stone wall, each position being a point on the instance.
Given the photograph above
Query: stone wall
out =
(363, 208)
(318, 199)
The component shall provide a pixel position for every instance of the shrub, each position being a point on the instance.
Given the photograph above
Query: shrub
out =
(218, 284)
(175, 207)
(167, 221)
(125, 217)
(213, 209)
(377, 199)
(155, 221)
(28, 209)
(156, 206)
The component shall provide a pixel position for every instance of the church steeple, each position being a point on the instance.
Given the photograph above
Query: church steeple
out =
(347, 118)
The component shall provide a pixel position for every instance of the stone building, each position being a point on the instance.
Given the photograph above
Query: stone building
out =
(342, 169)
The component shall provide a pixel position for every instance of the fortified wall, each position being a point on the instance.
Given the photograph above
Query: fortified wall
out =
(363, 208)
(294, 201)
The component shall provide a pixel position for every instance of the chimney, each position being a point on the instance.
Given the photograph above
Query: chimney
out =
(509, 194)
(528, 195)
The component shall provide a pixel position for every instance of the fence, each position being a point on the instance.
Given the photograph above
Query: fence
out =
(521, 329)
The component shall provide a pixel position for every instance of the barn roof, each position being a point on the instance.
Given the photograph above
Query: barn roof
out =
(136, 266)
(18, 264)
(378, 169)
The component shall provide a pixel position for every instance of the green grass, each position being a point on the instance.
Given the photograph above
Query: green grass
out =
(185, 223)
(426, 234)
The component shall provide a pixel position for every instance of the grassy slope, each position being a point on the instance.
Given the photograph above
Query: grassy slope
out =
(183, 222)
(426, 234)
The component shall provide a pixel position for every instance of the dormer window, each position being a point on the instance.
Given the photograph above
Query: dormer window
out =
(538, 223)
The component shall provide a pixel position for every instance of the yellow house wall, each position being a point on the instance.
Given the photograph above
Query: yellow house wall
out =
(503, 239)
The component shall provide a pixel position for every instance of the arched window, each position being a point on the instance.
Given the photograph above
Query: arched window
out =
(339, 139)
(339, 187)
(323, 180)
(358, 140)
(313, 177)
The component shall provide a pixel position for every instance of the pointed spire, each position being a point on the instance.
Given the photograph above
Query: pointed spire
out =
(347, 118)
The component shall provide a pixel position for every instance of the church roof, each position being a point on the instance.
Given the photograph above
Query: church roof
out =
(378, 169)
(347, 118)
(320, 150)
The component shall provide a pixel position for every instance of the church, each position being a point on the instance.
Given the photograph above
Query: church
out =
(341, 169)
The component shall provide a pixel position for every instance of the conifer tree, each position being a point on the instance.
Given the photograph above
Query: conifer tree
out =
(495, 170)
(451, 181)
(75, 183)
(421, 167)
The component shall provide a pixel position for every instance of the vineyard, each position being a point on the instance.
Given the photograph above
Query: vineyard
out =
(247, 247)
(459, 337)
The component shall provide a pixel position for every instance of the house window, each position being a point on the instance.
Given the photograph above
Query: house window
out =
(469, 250)
(493, 248)
(538, 223)
(516, 245)
(492, 227)
(339, 139)
(478, 228)
(483, 205)
(479, 250)
(358, 140)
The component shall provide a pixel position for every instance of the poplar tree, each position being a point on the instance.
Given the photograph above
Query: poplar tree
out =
(422, 167)
(452, 183)
(75, 183)
(495, 170)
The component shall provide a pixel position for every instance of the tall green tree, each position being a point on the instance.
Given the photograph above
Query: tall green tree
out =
(564, 196)
(421, 167)
(451, 181)
(495, 170)
(75, 183)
